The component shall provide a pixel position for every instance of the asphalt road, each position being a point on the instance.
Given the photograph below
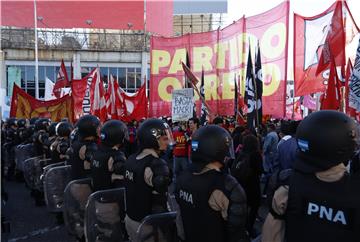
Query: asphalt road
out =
(27, 221)
(31, 223)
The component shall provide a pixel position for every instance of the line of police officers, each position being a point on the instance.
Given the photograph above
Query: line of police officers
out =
(212, 203)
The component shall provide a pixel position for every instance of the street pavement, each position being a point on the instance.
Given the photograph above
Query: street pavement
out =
(27, 221)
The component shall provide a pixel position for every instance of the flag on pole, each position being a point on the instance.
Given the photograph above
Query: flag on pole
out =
(331, 100)
(49, 88)
(114, 104)
(97, 97)
(259, 85)
(250, 94)
(186, 79)
(193, 81)
(62, 80)
(354, 83)
(236, 97)
(334, 43)
(204, 111)
(349, 110)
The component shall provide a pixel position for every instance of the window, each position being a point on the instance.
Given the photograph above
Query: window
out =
(139, 81)
(50, 73)
(104, 72)
(122, 77)
(113, 72)
(130, 79)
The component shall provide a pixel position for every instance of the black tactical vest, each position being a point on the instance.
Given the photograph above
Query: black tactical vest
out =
(138, 193)
(100, 174)
(201, 222)
(322, 211)
(77, 164)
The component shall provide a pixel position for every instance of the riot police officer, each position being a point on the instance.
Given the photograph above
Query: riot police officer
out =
(11, 140)
(22, 124)
(51, 138)
(323, 200)
(107, 172)
(83, 148)
(59, 147)
(147, 176)
(108, 164)
(40, 136)
(212, 202)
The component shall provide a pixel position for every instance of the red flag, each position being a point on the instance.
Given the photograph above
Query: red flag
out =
(114, 102)
(310, 34)
(97, 97)
(331, 99)
(334, 42)
(349, 110)
(62, 80)
(136, 104)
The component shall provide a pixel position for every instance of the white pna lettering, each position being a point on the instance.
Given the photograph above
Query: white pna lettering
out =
(187, 197)
(129, 175)
(329, 214)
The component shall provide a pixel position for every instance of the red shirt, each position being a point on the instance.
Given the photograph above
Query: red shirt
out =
(180, 148)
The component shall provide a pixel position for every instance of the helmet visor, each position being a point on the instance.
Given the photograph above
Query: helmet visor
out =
(168, 133)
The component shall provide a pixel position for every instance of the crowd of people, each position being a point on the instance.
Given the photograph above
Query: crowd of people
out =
(307, 174)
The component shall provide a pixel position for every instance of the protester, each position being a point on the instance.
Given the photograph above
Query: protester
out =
(247, 170)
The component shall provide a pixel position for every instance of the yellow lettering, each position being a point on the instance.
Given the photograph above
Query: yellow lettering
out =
(179, 56)
(221, 49)
(267, 41)
(228, 86)
(202, 57)
(211, 84)
(160, 58)
(233, 53)
(165, 93)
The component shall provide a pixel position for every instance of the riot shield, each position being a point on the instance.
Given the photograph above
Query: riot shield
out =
(104, 214)
(55, 181)
(29, 171)
(157, 227)
(38, 169)
(23, 152)
(75, 198)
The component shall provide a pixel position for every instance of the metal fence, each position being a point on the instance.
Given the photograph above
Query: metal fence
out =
(75, 39)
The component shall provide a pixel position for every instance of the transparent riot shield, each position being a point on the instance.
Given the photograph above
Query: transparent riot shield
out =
(157, 227)
(29, 171)
(38, 170)
(48, 167)
(23, 152)
(55, 181)
(104, 216)
(75, 198)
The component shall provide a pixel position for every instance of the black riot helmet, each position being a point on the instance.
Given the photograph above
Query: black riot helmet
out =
(150, 131)
(87, 126)
(211, 143)
(11, 122)
(22, 123)
(325, 139)
(52, 129)
(33, 120)
(42, 124)
(114, 132)
(63, 129)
